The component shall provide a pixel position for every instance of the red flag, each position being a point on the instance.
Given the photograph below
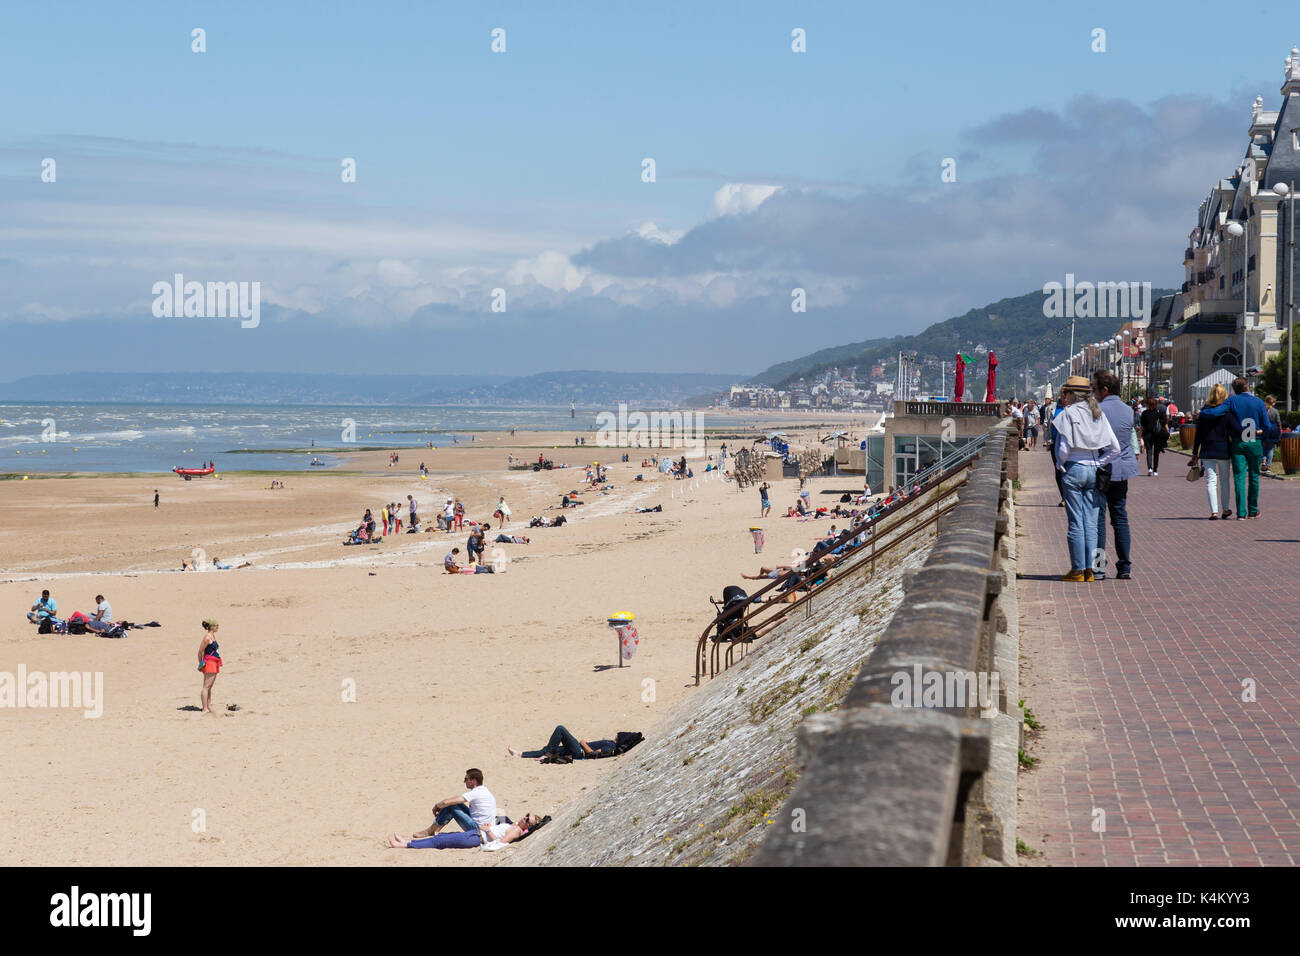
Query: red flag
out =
(993, 378)
(959, 381)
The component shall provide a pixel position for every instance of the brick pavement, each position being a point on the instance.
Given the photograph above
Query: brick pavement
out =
(1139, 683)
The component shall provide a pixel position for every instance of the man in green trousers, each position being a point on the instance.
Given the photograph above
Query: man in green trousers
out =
(1248, 424)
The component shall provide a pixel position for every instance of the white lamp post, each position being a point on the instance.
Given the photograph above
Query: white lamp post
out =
(1239, 229)
(1288, 193)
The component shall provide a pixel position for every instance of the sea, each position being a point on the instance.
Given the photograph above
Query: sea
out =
(119, 437)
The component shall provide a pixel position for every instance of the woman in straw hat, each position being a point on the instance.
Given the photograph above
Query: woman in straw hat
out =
(1085, 442)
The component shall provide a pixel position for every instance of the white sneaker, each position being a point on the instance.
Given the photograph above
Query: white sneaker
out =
(1148, 472)
(1155, 474)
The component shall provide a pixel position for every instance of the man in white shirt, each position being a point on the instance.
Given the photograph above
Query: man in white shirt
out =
(103, 618)
(449, 515)
(474, 808)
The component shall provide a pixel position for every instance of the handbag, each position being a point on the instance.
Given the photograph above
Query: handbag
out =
(1195, 472)
(1103, 480)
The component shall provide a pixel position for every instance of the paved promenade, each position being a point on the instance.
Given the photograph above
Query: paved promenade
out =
(1139, 683)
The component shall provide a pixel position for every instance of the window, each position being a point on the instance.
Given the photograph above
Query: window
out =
(1228, 358)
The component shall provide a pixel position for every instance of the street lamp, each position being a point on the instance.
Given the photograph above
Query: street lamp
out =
(1239, 229)
(1288, 193)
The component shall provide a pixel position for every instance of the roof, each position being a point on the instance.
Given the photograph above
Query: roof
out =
(1220, 376)
(1205, 327)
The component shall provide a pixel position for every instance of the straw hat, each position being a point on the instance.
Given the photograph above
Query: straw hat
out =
(1077, 383)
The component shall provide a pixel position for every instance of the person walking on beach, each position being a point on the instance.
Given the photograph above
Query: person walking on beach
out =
(1085, 442)
(503, 511)
(414, 508)
(1106, 389)
(474, 808)
(155, 497)
(458, 512)
(1249, 424)
(764, 503)
(209, 663)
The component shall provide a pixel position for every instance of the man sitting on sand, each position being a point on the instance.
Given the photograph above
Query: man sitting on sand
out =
(102, 620)
(449, 562)
(474, 808)
(45, 607)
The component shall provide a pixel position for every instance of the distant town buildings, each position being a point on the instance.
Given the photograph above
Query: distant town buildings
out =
(830, 389)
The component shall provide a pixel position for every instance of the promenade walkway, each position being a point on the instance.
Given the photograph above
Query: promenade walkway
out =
(1139, 683)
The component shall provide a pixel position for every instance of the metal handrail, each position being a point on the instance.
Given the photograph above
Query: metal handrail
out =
(742, 631)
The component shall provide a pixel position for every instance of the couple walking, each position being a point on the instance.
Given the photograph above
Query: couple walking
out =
(1095, 454)
(1230, 435)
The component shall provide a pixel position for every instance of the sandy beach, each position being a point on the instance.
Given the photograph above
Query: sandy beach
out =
(445, 670)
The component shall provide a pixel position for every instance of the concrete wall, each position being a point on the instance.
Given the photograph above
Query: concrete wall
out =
(713, 776)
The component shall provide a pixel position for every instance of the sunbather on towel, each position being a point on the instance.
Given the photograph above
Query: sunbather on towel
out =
(511, 539)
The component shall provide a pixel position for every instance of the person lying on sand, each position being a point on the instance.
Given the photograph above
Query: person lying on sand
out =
(564, 744)
(216, 563)
(773, 572)
(643, 511)
(489, 833)
(511, 539)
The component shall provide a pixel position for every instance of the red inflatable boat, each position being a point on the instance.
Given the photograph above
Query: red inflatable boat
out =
(188, 473)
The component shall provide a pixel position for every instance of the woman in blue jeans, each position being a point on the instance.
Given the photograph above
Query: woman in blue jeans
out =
(1085, 442)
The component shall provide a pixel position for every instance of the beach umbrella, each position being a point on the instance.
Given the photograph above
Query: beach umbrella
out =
(959, 380)
(989, 396)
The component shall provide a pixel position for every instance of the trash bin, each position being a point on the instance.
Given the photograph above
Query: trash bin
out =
(1289, 450)
(758, 539)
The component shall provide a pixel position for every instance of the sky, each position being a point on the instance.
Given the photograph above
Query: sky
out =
(516, 180)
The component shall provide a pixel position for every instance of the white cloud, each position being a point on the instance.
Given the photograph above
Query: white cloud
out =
(735, 198)
(653, 233)
(550, 269)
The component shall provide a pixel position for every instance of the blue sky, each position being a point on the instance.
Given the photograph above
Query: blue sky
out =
(522, 170)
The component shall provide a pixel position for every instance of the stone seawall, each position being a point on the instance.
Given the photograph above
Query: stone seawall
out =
(714, 775)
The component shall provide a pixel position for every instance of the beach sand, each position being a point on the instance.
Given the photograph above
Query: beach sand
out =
(447, 670)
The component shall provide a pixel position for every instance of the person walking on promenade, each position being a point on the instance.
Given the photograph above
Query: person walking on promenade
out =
(1248, 424)
(1106, 388)
(1275, 429)
(1032, 415)
(1049, 425)
(1084, 442)
(1210, 449)
(1155, 434)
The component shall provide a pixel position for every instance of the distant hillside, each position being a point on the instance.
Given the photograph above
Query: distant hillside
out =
(825, 358)
(1015, 329)
(597, 388)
